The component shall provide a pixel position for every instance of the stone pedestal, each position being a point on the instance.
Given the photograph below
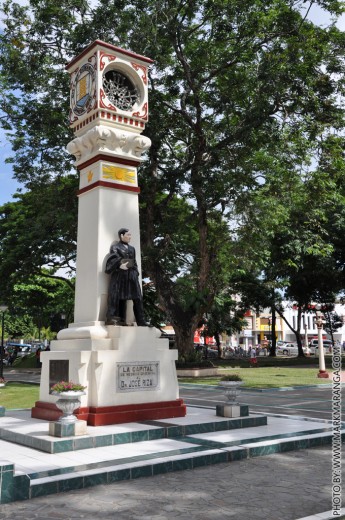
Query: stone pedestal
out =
(129, 376)
(60, 429)
(232, 410)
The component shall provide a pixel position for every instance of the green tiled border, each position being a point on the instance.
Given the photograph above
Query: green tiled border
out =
(20, 487)
(23, 487)
(60, 444)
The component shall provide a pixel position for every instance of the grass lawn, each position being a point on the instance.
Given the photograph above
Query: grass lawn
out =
(18, 395)
(264, 377)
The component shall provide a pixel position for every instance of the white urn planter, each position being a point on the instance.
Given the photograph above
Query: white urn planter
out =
(231, 390)
(67, 403)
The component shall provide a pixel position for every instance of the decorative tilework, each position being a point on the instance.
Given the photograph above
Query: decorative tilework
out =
(62, 446)
(174, 431)
(43, 489)
(119, 474)
(71, 483)
(103, 440)
(237, 454)
(159, 448)
(95, 479)
(21, 488)
(182, 464)
(158, 433)
(59, 429)
(122, 438)
(82, 443)
(140, 436)
(206, 460)
(142, 471)
(162, 467)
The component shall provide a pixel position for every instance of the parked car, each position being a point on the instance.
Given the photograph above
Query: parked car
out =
(211, 353)
(288, 349)
(35, 346)
(314, 346)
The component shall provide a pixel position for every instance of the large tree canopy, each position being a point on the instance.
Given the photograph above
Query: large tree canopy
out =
(242, 92)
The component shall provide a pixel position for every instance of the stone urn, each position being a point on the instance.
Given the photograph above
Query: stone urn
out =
(67, 403)
(231, 390)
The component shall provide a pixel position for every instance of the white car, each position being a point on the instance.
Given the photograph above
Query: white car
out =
(288, 349)
(314, 346)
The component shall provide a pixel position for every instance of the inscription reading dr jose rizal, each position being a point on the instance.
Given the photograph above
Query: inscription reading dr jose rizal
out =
(136, 375)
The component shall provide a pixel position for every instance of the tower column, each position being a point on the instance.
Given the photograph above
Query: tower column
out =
(129, 371)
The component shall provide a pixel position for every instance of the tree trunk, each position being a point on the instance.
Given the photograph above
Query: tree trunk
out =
(217, 338)
(296, 332)
(273, 330)
(184, 341)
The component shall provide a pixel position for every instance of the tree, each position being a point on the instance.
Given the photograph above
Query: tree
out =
(38, 234)
(300, 243)
(226, 315)
(333, 321)
(35, 301)
(238, 90)
(19, 326)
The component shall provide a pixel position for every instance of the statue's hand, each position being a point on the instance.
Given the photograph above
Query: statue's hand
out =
(124, 266)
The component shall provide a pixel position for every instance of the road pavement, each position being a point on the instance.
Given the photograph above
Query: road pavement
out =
(304, 401)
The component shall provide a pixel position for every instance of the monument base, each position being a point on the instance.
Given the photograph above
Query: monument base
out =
(101, 416)
(128, 376)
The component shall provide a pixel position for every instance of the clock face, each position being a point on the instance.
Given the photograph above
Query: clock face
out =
(120, 90)
(83, 90)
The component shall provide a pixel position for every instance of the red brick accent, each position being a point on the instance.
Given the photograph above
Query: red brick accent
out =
(112, 185)
(104, 415)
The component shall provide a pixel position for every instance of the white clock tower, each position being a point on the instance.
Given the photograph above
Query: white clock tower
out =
(129, 372)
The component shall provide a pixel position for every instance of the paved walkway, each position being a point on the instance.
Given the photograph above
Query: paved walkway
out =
(286, 486)
(294, 485)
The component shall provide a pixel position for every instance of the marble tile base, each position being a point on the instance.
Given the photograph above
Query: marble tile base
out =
(113, 453)
(60, 429)
(232, 410)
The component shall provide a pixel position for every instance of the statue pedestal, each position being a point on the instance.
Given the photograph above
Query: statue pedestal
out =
(129, 376)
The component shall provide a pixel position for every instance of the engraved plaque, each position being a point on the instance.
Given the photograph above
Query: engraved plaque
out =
(58, 371)
(136, 376)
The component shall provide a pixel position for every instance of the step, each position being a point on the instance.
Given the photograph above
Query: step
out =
(199, 440)
(127, 468)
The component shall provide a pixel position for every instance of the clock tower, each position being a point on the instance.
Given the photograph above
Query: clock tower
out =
(109, 86)
(108, 112)
(129, 371)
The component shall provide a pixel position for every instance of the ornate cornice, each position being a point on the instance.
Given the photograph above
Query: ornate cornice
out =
(103, 139)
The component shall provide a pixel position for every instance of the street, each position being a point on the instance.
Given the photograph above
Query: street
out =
(308, 401)
(304, 401)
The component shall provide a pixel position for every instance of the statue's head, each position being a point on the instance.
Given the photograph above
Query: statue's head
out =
(124, 235)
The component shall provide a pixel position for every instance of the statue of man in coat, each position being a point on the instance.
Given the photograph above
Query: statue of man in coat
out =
(124, 282)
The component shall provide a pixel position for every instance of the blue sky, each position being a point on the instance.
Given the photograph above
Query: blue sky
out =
(8, 185)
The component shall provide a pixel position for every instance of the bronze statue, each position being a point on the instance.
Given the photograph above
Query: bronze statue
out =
(124, 282)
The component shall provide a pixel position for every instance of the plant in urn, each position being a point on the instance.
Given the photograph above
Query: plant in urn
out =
(231, 384)
(69, 399)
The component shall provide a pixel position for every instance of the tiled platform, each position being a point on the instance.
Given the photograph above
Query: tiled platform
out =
(35, 464)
